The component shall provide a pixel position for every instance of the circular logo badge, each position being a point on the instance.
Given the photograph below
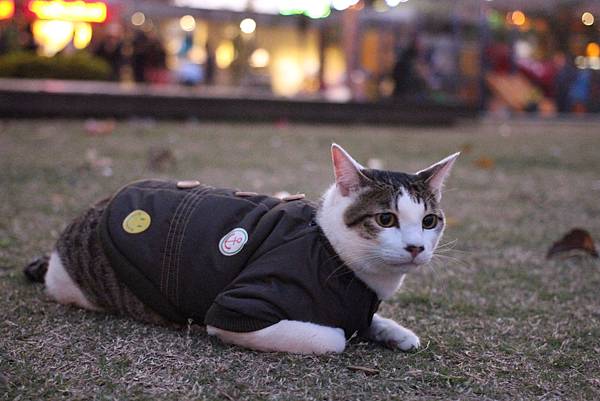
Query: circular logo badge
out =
(233, 241)
(136, 222)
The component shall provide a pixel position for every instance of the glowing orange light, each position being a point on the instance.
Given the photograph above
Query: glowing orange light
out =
(592, 50)
(517, 17)
(78, 10)
(7, 9)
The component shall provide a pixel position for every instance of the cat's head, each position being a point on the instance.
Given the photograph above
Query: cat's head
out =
(383, 222)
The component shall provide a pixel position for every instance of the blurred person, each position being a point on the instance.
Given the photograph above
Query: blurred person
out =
(594, 97)
(139, 56)
(440, 57)
(110, 48)
(26, 40)
(563, 80)
(189, 73)
(155, 70)
(8, 38)
(499, 57)
(579, 91)
(209, 64)
(404, 74)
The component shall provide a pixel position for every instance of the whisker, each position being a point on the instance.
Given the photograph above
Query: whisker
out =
(451, 260)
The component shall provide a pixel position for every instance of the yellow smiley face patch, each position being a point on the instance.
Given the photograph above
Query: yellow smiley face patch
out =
(137, 222)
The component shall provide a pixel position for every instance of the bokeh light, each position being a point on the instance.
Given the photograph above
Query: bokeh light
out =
(82, 35)
(248, 25)
(592, 49)
(7, 9)
(341, 5)
(138, 18)
(394, 3)
(187, 23)
(259, 58)
(225, 54)
(587, 18)
(518, 18)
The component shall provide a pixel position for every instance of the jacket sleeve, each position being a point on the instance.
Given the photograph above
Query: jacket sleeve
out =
(289, 282)
(255, 299)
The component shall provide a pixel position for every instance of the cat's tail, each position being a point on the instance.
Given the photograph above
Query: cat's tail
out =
(36, 270)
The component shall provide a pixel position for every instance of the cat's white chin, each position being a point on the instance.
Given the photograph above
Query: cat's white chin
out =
(407, 264)
(402, 267)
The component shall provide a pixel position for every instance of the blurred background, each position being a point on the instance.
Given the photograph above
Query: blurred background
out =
(492, 56)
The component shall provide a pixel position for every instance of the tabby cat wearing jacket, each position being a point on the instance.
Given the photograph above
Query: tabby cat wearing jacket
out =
(261, 272)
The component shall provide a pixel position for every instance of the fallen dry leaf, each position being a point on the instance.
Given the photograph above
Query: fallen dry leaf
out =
(466, 148)
(578, 240)
(99, 127)
(485, 163)
(161, 159)
(99, 164)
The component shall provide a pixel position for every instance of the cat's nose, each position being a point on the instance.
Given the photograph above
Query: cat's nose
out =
(414, 250)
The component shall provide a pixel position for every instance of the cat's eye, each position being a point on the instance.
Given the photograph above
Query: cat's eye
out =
(386, 220)
(430, 221)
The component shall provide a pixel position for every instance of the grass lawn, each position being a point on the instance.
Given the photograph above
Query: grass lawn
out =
(496, 319)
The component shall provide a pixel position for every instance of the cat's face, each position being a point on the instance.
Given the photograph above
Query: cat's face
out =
(397, 218)
(390, 220)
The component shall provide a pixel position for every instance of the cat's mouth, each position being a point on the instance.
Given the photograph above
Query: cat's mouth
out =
(405, 264)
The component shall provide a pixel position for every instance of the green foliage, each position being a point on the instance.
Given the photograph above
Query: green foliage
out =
(80, 65)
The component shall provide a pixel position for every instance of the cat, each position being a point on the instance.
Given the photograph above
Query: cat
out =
(259, 272)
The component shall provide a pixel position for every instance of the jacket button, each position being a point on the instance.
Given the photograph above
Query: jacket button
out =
(293, 197)
(187, 184)
(243, 193)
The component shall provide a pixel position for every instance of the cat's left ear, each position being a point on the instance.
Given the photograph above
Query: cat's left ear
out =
(436, 174)
(346, 170)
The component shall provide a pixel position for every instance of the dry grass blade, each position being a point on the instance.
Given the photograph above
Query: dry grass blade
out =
(366, 370)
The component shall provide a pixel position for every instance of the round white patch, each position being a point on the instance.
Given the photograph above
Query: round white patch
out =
(233, 241)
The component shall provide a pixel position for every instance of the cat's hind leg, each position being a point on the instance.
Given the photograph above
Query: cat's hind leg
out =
(36, 270)
(287, 336)
(61, 287)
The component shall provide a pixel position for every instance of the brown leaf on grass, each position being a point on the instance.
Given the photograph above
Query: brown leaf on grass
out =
(96, 163)
(161, 159)
(466, 148)
(366, 370)
(99, 127)
(485, 163)
(577, 240)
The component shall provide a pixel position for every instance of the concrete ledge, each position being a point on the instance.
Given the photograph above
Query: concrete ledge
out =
(65, 99)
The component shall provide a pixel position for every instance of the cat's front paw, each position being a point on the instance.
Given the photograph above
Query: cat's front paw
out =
(403, 339)
(393, 335)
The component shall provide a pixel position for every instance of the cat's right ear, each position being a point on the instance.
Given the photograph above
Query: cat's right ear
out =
(436, 174)
(346, 170)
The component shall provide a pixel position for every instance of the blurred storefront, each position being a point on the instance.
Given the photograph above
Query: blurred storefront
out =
(288, 49)
(337, 49)
(509, 54)
(341, 49)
